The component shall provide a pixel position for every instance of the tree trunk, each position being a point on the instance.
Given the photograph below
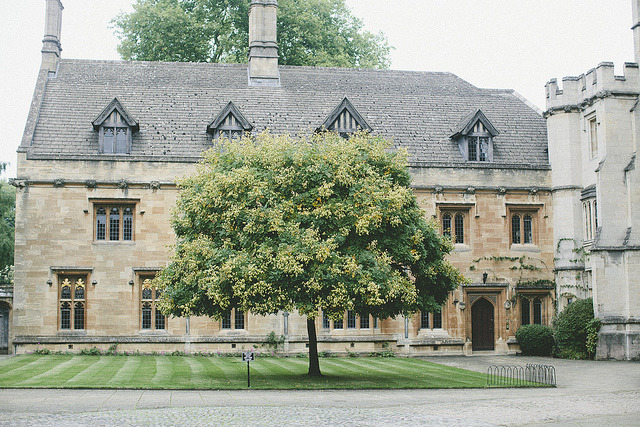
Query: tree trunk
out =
(314, 363)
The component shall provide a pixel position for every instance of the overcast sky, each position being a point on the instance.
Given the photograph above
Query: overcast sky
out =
(515, 44)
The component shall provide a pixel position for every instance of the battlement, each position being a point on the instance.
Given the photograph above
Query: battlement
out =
(597, 82)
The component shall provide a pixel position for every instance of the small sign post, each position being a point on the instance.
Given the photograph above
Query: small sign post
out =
(248, 356)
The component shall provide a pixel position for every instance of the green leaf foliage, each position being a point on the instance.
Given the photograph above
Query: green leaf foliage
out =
(271, 223)
(535, 340)
(310, 32)
(7, 226)
(572, 327)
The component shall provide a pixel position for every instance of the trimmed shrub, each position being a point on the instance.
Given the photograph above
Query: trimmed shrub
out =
(572, 329)
(535, 340)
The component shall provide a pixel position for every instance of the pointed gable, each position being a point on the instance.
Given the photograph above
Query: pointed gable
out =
(474, 122)
(229, 122)
(344, 119)
(124, 117)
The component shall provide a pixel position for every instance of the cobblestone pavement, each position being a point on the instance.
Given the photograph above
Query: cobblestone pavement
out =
(588, 393)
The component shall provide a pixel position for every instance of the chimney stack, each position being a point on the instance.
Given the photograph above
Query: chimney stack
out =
(263, 45)
(51, 47)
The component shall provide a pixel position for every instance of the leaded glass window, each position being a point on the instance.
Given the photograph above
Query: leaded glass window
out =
(239, 319)
(351, 319)
(114, 222)
(115, 135)
(453, 225)
(364, 321)
(473, 149)
(226, 321)
(437, 320)
(537, 311)
(338, 324)
(326, 324)
(152, 317)
(515, 229)
(526, 311)
(424, 320)
(72, 302)
(527, 226)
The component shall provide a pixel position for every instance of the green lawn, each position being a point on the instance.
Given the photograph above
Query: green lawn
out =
(199, 372)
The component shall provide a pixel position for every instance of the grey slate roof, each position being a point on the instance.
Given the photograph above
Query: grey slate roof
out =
(175, 102)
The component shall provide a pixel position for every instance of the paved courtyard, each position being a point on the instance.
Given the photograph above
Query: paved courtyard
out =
(588, 393)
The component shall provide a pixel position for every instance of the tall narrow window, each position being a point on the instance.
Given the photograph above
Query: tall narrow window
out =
(152, 317)
(239, 319)
(459, 223)
(226, 321)
(484, 149)
(537, 311)
(473, 150)
(527, 226)
(424, 320)
(351, 319)
(454, 226)
(114, 222)
(326, 323)
(446, 224)
(515, 229)
(526, 311)
(437, 320)
(593, 137)
(108, 144)
(72, 302)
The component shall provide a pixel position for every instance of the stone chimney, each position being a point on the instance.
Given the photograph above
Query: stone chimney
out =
(51, 47)
(263, 45)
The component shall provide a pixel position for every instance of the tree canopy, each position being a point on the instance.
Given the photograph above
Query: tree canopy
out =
(270, 224)
(311, 32)
(7, 224)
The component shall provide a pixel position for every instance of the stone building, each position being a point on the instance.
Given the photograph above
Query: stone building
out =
(592, 124)
(105, 141)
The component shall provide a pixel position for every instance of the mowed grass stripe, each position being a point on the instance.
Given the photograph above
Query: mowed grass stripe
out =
(100, 372)
(28, 366)
(61, 372)
(125, 373)
(200, 372)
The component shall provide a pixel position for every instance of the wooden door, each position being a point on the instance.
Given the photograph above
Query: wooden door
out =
(482, 325)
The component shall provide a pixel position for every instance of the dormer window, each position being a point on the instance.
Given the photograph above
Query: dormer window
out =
(475, 135)
(344, 120)
(230, 123)
(115, 127)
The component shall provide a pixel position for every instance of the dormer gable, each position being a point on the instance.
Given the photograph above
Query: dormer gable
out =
(345, 120)
(474, 135)
(229, 123)
(115, 126)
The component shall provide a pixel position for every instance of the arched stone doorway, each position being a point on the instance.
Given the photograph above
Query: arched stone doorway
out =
(4, 328)
(482, 325)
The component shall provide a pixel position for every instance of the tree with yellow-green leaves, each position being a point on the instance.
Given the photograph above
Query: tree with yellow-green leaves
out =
(270, 223)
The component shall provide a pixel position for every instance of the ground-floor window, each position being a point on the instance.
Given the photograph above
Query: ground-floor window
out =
(431, 320)
(151, 316)
(531, 310)
(235, 317)
(72, 300)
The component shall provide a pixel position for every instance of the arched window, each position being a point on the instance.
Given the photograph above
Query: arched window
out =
(527, 224)
(101, 224)
(453, 225)
(72, 302)
(127, 223)
(446, 224)
(152, 317)
(114, 224)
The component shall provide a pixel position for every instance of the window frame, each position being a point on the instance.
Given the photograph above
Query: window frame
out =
(234, 320)
(104, 229)
(522, 213)
(534, 310)
(144, 281)
(592, 135)
(431, 320)
(115, 122)
(454, 213)
(74, 280)
(589, 218)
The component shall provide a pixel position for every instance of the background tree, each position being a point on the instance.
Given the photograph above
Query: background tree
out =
(310, 32)
(7, 223)
(273, 224)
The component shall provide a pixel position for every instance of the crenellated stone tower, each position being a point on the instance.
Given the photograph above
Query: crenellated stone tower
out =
(592, 124)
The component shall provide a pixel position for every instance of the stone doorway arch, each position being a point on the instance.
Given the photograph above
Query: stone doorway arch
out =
(482, 325)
